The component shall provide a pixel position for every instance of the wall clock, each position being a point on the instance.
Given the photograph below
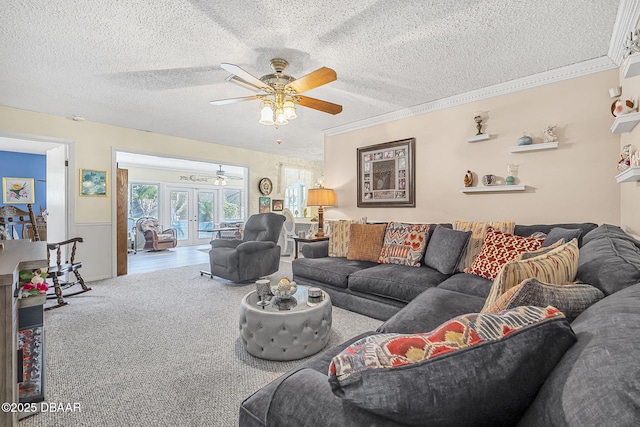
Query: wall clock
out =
(265, 185)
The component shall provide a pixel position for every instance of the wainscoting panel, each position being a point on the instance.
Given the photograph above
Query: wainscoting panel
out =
(96, 252)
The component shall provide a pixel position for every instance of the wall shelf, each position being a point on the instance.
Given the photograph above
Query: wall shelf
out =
(481, 137)
(630, 175)
(631, 66)
(534, 147)
(625, 123)
(492, 188)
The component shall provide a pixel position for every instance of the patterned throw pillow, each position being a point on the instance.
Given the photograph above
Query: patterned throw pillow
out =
(497, 249)
(365, 241)
(468, 361)
(339, 238)
(478, 231)
(558, 266)
(404, 244)
(571, 299)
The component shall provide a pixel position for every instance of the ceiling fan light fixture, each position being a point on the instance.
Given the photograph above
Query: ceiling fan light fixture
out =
(289, 109)
(266, 114)
(281, 117)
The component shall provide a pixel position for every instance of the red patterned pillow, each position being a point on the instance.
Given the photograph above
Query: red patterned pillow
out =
(404, 244)
(497, 249)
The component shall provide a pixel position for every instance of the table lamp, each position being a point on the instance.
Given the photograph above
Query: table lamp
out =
(321, 197)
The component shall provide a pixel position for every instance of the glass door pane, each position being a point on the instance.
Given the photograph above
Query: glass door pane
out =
(206, 215)
(179, 211)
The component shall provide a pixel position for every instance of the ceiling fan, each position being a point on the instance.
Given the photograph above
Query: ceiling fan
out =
(279, 93)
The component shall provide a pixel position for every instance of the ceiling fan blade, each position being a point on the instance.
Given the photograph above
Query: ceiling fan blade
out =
(317, 104)
(312, 80)
(237, 80)
(244, 75)
(233, 100)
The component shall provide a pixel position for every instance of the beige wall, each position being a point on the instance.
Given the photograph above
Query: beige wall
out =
(572, 183)
(93, 150)
(630, 191)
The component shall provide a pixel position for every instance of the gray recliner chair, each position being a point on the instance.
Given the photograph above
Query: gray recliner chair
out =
(256, 255)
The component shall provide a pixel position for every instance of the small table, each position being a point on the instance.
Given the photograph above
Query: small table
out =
(306, 240)
(219, 230)
(285, 330)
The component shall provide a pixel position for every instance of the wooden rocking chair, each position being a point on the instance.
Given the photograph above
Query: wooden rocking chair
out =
(63, 268)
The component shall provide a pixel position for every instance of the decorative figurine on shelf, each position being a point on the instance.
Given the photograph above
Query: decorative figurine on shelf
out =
(621, 107)
(525, 139)
(512, 172)
(468, 179)
(625, 158)
(489, 179)
(477, 117)
(548, 135)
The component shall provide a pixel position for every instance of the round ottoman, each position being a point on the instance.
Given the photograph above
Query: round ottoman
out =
(285, 330)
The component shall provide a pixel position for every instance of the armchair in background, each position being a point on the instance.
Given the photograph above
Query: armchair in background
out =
(255, 255)
(156, 239)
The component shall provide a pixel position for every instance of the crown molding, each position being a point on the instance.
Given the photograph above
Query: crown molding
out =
(565, 73)
(626, 21)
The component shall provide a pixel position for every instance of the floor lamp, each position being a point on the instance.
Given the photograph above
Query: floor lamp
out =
(321, 197)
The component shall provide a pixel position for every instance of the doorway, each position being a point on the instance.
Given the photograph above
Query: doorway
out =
(193, 213)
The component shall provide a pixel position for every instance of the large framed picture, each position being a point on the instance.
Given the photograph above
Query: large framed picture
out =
(386, 174)
(93, 183)
(18, 190)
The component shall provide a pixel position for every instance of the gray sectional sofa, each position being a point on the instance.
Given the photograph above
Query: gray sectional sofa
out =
(595, 382)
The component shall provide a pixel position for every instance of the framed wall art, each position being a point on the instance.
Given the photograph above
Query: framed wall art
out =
(277, 205)
(18, 190)
(386, 174)
(93, 183)
(265, 204)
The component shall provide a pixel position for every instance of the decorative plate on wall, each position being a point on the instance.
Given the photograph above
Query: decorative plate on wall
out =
(265, 185)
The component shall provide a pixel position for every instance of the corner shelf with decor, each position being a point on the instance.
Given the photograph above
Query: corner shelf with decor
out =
(631, 66)
(630, 175)
(625, 123)
(493, 188)
(480, 137)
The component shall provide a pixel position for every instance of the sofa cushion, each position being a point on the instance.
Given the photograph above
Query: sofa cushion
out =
(471, 369)
(610, 231)
(559, 233)
(469, 284)
(394, 281)
(430, 309)
(445, 248)
(478, 231)
(571, 299)
(366, 241)
(497, 249)
(597, 382)
(528, 230)
(541, 250)
(333, 271)
(404, 244)
(610, 261)
(558, 266)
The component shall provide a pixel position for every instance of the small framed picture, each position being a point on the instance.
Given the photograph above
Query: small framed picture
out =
(93, 183)
(18, 190)
(277, 205)
(265, 204)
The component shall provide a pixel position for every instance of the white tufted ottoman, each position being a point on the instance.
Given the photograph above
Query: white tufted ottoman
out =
(285, 333)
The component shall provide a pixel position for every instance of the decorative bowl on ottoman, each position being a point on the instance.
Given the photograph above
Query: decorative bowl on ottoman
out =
(284, 289)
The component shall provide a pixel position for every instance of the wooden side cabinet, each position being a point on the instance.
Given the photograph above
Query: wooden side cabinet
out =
(15, 255)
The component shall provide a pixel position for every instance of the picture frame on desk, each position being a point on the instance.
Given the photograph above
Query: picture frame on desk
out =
(386, 174)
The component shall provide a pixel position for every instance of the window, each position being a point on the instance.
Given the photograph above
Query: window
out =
(143, 200)
(296, 180)
(233, 207)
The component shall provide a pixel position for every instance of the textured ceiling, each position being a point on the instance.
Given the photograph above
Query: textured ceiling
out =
(154, 65)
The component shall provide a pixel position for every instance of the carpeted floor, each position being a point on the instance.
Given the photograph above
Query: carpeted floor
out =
(158, 349)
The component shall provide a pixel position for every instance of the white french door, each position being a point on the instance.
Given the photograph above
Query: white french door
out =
(192, 211)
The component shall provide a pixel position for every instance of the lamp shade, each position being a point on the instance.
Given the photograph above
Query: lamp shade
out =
(321, 197)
